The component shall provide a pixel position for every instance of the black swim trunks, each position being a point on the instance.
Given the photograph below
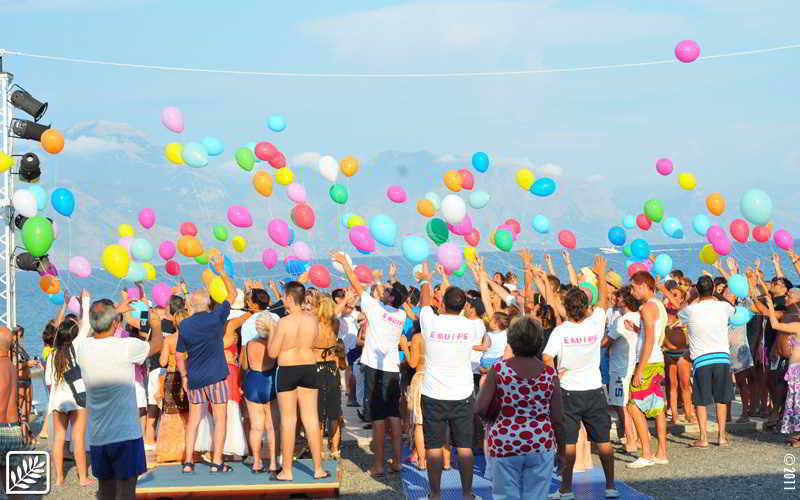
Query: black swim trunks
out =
(289, 378)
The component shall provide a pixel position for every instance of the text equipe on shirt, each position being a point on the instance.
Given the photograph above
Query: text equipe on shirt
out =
(591, 339)
(451, 337)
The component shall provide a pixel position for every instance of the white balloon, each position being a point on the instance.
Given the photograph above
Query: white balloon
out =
(453, 209)
(24, 203)
(339, 267)
(329, 168)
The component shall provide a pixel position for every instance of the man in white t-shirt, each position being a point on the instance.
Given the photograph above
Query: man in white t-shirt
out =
(447, 387)
(576, 344)
(107, 369)
(348, 334)
(707, 319)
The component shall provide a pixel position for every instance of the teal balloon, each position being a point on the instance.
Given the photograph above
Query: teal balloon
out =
(480, 161)
(700, 224)
(435, 199)
(462, 269)
(213, 146)
(63, 201)
(346, 217)
(739, 286)
(672, 227)
(338, 194)
(544, 186)
(276, 123)
(141, 249)
(37, 235)
(541, 224)
(640, 248)
(136, 272)
(503, 240)
(220, 232)
(663, 265)
(626, 251)
(741, 316)
(479, 199)
(56, 298)
(616, 235)
(415, 249)
(629, 222)
(383, 229)
(194, 154)
(245, 158)
(41, 196)
(756, 207)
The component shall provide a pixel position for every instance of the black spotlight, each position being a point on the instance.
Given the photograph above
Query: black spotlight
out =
(29, 170)
(27, 262)
(19, 221)
(22, 99)
(26, 129)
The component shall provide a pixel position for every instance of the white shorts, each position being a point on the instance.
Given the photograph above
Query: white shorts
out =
(153, 385)
(141, 395)
(619, 387)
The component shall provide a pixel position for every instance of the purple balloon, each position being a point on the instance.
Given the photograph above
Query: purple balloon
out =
(362, 239)
(278, 231)
(715, 232)
(269, 258)
(166, 250)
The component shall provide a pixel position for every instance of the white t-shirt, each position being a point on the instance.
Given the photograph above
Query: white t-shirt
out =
(348, 330)
(577, 346)
(249, 331)
(448, 349)
(659, 332)
(498, 347)
(475, 356)
(708, 326)
(384, 327)
(622, 353)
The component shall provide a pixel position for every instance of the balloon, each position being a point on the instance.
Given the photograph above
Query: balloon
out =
(741, 316)
(643, 222)
(301, 250)
(543, 187)
(52, 141)
(463, 228)
(239, 243)
(49, 284)
(6, 161)
(296, 192)
(166, 250)
(62, 200)
(79, 266)
(541, 224)
(37, 235)
(338, 194)
(217, 290)
(284, 176)
(172, 118)
(426, 208)
(202, 259)
(173, 152)
(756, 206)
(715, 232)
(189, 246)
(141, 249)
(700, 224)
(56, 299)
(663, 265)
(781, 237)
(654, 210)
(194, 154)
(708, 255)
(24, 202)
(640, 248)
(434, 198)
(761, 233)
(503, 239)
(173, 268)
(161, 294)
(362, 239)
(328, 167)
(473, 238)
(363, 273)
(722, 245)
(269, 258)
(739, 286)
(349, 166)
(147, 217)
(508, 228)
(278, 161)
(453, 209)
(452, 179)
(319, 276)
(739, 230)
(150, 271)
(467, 181)
(664, 166)
(263, 183)
(687, 51)
(626, 251)
(462, 269)
(265, 151)
(245, 158)
(616, 235)
(715, 203)
(355, 220)
(276, 123)
(515, 226)
(437, 231)
(188, 229)
(213, 146)
(635, 268)
(687, 181)
(220, 232)
(278, 231)
(525, 178)
(239, 216)
(396, 194)
(480, 161)
(338, 266)
(449, 256)
(39, 194)
(383, 229)
(479, 199)
(629, 222)
(303, 216)
(672, 227)
(566, 238)
(115, 261)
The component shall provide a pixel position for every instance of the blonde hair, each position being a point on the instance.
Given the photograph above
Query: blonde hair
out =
(326, 311)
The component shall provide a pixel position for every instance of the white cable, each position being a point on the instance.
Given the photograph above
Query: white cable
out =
(526, 72)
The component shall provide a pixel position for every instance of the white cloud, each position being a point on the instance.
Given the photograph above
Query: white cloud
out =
(91, 145)
(550, 169)
(449, 158)
(306, 159)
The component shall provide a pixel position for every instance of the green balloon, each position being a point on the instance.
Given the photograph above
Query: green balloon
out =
(626, 251)
(221, 232)
(461, 270)
(437, 231)
(503, 239)
(245, 158)
(338, 194)
(654, 210)
(202, 259)
(37, 235)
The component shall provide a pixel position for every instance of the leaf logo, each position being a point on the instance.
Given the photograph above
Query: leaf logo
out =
(26, 474)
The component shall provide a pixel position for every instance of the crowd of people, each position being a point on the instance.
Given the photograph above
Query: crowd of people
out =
(525, 371)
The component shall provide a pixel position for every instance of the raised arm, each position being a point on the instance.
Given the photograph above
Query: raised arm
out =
(776, 261)
(721, 270)
(573, 278)
(348, 271)
(483, 283)
(86, 326)
(392, 273)
(425, 291)
(795, 260)
(548, 261)
(163, 359)
(230, 286)
(349, 295)
(63, 311)
(443, 274)
(673, 298)
(156, 340)
(602, 284)
(527, 275)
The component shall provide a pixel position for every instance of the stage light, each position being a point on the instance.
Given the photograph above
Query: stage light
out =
(29, 170)
(26, 129)
(19, 221)
(27, 262)
(23, 100)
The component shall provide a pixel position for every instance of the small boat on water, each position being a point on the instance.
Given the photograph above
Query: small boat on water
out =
(608, 250)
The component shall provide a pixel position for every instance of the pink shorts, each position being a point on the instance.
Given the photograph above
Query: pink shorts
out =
(215, 393)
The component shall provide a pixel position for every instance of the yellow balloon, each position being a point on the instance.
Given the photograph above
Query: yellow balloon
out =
(708, 255)
(469, 254)
(125, 230)
(5, 162)
(151, 270)
(173, 152)
(349, 165)
(115, 260)
(239, 243)
(217, 290)
(687, 181)
(355, 220)
(525, 178)
(284, 176)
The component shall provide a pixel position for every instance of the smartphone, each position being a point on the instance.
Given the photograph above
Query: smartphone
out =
(144, 322)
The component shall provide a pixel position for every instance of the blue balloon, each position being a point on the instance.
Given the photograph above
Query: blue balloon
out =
(276, 123)
(345, 218)
(543, 187)
(141, 249)
(741, 316)
(297, 267)
(616, 235)
(640, 248)
(756, 206)
(41, 196)
(629, 222)
(63, 202)
(383, 229)
(541, 225)
(739, 286)
(480, 161)
(194, 154)
(700, 224)
(479, 199)
(56, 298)
(213, 146)
(136, 272)
(663, 265)
(415, 249)
(672, 227)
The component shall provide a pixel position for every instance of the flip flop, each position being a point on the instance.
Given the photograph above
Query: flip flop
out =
(695, 444)
(326, 476)
(185, 465)
(274, 477)
(561, 496)
(612, 493)
(219, 468)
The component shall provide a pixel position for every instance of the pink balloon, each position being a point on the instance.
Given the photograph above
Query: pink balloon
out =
(269, 258)
(134, 294)
(473, 238)
(635, 268)
(161, 293)
(449, 255)
(515, 227)
(783, 239)
(566, 238)
(296, 192)
(761, 234)
(361, 238)
(467, 181)
(172, 118)
(166, 250)
(643, 222)
(740, 230)
(463, 228)
(715, 232)
(301, 250)
(265, 151)
(687, 51)
(364, 274)
(79, 266)
(74, 306)
(188, 229)
(239, 216)
(664, 166)
(510, 229)
(147, 218)
(396, 193)
(319, 276)
(278, 161)
(278, 231)
(722, 245)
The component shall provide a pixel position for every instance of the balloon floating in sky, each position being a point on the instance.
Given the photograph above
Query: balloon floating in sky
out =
(245, 158)
(338, 194)
(654, 210)
(303, 216)
(24, 202)
(643, 222)
(276, 123)
(503, 239)
(52, 141)
(213, 146)
(37, 235)
(541, 224)
(426, 208)
(452, 179)
(479, 199)
(396, 194)
(173, 268)
(761, 233)
(687, 51)
(383, 229)
(566, 238)
(278, 231)
(473, 238)
(269, 258)
(125, 230)
(738, 286)
(437, 231)
(296, 192)
(629, 222)
(166, 250)
(361, 238)
(663, 265)
(664, 166)
(63, 201)
(188, 229)
(173, 152)
(172, 118)
(349, 166)
(687, 181)
(278, 161)
(79, 266)
(284, 176)
(782, 237)
(525, 178)
(263, 183)
(739, 230)
(5, 162)
(453, 209)
(700, 224)
(480, 161)
(756, 206)
(672, 227)
(640, 248)
(239, 243)
(265, 151)
(467, 181)
(434, 198)
(115, 261)
(220, 232)
(715, 203)
(616, 235)
(543, 187)
(329, 168)
(194, 155)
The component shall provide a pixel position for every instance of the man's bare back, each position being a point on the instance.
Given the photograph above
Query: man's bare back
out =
(298, 332)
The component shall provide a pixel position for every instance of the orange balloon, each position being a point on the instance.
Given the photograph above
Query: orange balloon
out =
(715, 203)
(452, 179)
(426, 208)
(349, 166)
(213, 252)
(49, 284)
(52, 141)
(207, 276)
(263, 182)
(189, 246)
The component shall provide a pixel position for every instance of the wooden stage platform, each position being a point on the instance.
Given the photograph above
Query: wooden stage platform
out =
(168, 482)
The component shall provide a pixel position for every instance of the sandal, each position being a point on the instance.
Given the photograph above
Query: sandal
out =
(190, 466)
(258, 471)
(325, 476)
(219, 468)
(274, 477)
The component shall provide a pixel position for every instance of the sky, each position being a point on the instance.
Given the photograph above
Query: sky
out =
(732, 122)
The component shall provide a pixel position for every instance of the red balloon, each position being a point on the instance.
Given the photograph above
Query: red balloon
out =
(643, 222)
(265, 151)
(319, 276)
(467, 181)
(635, 268)
(188, 229)
(303, 215)
(740, 230)
(514, 225)
(278, 160)
(473, 238)
(363, 273)
(761, 234)
(566, 238)
(173, 268)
